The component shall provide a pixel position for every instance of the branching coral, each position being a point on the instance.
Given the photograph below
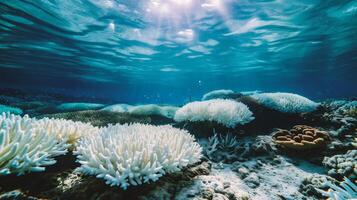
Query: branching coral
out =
(346, 190)
(134, 154)
(226, 112)
(301, 137)
(25, 146)
(221, 147)
(343, 165)
(348, 109)
(67, 128)
(286, 102)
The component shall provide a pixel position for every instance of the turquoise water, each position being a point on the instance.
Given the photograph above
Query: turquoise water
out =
(171, 50)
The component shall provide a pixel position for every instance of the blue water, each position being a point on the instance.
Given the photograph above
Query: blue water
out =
(167, 51)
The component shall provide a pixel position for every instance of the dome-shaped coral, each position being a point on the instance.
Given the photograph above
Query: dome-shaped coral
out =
(286, 102)
(25, 146)
(134, 154)
(226, 112)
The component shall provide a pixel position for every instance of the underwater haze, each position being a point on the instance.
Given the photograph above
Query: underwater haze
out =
(172, 51)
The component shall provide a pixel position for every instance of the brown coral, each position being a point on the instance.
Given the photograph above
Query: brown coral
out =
(301, 137)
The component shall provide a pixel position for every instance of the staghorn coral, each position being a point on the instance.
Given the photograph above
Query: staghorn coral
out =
(25, 146)
(134, 154)
(67, 128)
(301, 137)
(226, 112)
(346, 190)
(342, 164)
(286, 102)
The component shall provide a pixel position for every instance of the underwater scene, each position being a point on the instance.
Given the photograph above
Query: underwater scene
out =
(178, 99)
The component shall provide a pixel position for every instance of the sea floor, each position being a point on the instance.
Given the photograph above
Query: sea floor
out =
(256, 169)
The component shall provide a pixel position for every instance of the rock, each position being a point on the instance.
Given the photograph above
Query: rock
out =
(252, 180)
(243, 172)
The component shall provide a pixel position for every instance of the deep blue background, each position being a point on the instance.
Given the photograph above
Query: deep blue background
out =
(132, 51)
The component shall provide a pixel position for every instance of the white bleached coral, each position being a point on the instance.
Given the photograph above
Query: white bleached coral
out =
(134, 154)
(69, 129)
(226, 112)
(152, 109)
(25, 146)
(217, 94)
(148, 109)
(286, 102)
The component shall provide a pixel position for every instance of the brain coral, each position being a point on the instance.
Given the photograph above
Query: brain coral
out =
(25, 146)
(134, 154)
(226, 112)
(301, 137)
(286, 102)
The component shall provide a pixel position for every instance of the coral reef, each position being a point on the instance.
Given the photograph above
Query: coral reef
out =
(144, 110)
(342, 165)
(134, 154)
(25, 146)
(286, 102)
(152, 109)
(100, 118)
(301, 137)
(68, 107)
(119, 108)
(221, 94)
(344, 191)
(226, 112)
(9, 109)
